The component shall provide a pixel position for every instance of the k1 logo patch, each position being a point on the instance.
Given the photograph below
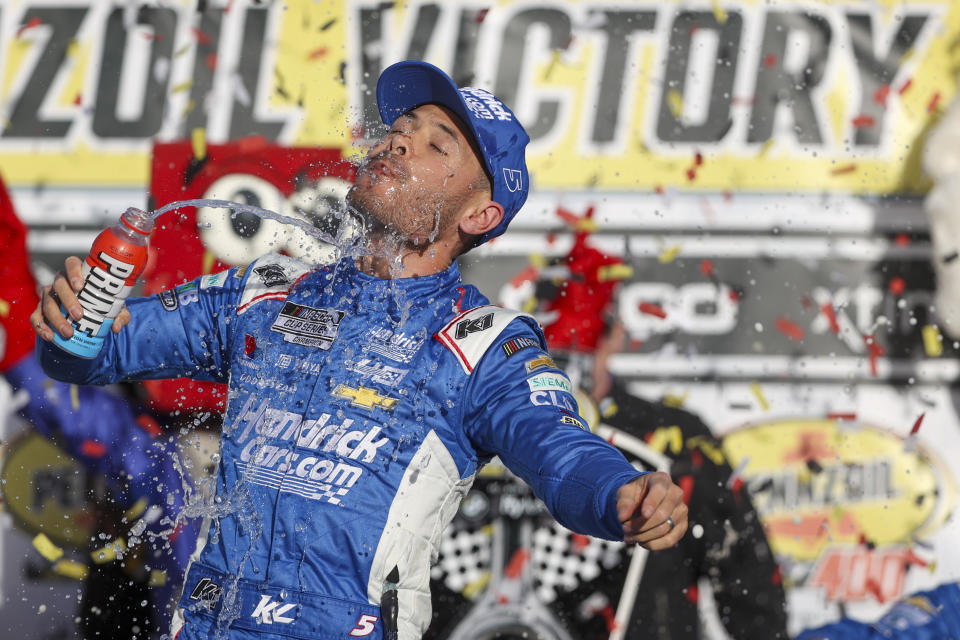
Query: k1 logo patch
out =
(473, 325)
(308, 326)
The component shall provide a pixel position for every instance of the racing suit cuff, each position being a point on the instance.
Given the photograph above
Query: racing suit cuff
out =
(607, 501)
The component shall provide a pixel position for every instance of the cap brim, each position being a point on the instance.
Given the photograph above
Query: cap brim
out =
(407, 85)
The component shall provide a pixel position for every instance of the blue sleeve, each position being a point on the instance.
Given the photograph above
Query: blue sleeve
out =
(183, 332)
(520, 407)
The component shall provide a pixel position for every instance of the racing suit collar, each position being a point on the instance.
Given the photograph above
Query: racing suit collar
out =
(415, 291)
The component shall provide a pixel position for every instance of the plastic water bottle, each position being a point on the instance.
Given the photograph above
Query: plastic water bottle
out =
(116, 260)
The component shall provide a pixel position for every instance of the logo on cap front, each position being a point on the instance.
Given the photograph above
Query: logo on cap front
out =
(513, 178)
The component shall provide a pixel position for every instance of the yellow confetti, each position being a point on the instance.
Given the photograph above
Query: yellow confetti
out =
(675, 102)
(932, 341)
(758, 394)
(669, 254)
(609, 409)
(718, 12)
(530, 305)
(614, 272)
(538, 260)
(198, 141)
(183, 86)
(4, 308)
(765, 148)
(554, 61)
(208, 260)
(136, 510)
(476, 587)
(71, 569)
(110, 552)
(674, 401)
(46, 548)
(158, 578)
(74, 397)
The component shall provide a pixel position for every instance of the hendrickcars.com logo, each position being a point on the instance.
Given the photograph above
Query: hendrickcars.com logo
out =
(844, 504)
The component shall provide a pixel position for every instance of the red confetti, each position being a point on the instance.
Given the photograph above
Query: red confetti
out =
(737, 486)
(934, 101)
(828, 311)
(551, 237)
(200, 36)
(691, 174)
(481, 15)
(728, 195)
(806, 302)
(770, 61)
(734, 295)
(686, 483)
(876, 352)
(317, 53)
(34, 22)
(847, 168)
(568, 216)
(901, 239)
(693, 593)
(880, 95)
(149, 424)
(659, 189)
(863, 121)
(696, 458)
(916, 425)
(652, 309)
(610, 618)
(698, 159)
(789, 329)
(249, 345)
(897, 286)
(906, 85)
(517, 562)
(777, 577)
(580, 542)
(528, 274)
(913, 559)
(706, 268)
(211, 61)
(153, 36)
(842, 416)
(875, 589)
(93, 449)
(78, 100)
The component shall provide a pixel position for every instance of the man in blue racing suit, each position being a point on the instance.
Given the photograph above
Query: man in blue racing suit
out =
(364, 396)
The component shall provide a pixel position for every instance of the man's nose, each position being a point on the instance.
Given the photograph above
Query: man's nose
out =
(398, 144)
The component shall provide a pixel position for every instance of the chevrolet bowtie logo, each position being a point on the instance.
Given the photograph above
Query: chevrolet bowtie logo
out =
(365, 398)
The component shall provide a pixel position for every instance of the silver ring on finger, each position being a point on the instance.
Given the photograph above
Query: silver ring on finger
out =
(671, 523)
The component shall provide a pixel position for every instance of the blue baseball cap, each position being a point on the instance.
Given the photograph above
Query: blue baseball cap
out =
(499, 135)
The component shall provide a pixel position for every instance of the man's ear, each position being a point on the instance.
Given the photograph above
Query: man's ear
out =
(482, 219)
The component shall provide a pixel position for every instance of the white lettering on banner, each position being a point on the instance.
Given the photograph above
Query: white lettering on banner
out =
(548, 381)
(393, 345)
(266, 610)
(701, 308)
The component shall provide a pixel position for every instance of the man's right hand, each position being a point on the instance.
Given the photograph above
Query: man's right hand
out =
(48, 318)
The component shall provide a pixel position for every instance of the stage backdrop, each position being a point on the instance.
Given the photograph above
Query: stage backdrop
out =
(756, 162)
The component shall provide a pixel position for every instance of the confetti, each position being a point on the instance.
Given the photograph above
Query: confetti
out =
(580, 542)
(693, 593)
(842, 416)
(529, 274)
(317, 53)
(46, 548)
(905, 87)
(758, 394)
(93, 449)
(863, 122)
(718, 13)
(765, 148)
(932, 341)
(736, 477)
(329, 23)
(554, 61)
(845, 169)
(183, 86)
(517, 563)
(770, 61)
(831, 315)
(613, 272)
(901, 239)
(669, 254)
(200, 36)
(950, 257)
(876, 352)
(34, 22)
(675, 103)
(686, 484)
(785, 326)
(652, 309)
(198, 142)
(706, 267)
(897, 286)
(916, 425)
(934, 101)
(881, 94)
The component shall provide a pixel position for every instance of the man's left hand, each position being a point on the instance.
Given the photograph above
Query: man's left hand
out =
(652, 511)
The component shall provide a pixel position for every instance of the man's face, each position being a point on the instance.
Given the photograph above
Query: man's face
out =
(420, 176)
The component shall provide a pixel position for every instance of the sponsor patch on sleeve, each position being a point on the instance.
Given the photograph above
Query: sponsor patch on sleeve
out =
(518, 343)
(214, 280)
(549, 382)
(542, 362)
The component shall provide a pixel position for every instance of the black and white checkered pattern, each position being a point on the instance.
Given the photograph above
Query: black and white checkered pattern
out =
(559, 563)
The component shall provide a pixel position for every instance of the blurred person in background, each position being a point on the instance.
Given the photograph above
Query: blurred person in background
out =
(136, 562)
